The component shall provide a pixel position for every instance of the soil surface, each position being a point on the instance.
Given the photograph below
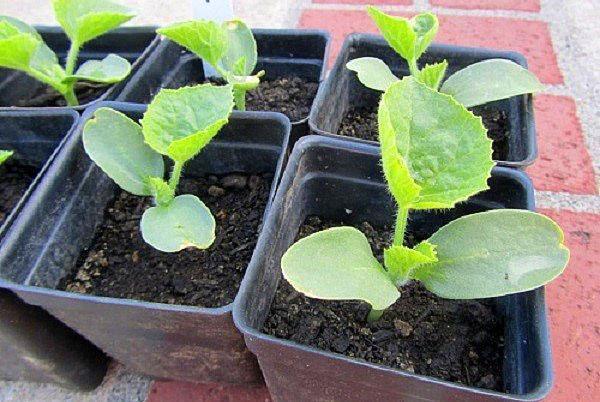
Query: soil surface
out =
(458, 341)
(120, 264)
(292, 96)
(16, 178)
(361, 122)
(48, 97)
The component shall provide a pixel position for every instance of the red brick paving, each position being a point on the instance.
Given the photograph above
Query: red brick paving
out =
(532, 38)
(564, 163)
(574, 307)
(173, 391)
(517, 5)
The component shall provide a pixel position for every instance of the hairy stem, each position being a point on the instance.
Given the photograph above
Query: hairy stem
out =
(374, 315)
(401, 222)
(239, 97)
(70, 96)
(72, 58)
(414, 68)
(175, 175)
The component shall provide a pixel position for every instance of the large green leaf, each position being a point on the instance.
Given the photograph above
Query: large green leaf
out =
(241, 55)
(433, 74)
(409, 37)
(180, 122)
(115, 143)
(490, 80)
(207, 39)
(494, 253)
(184, 222)
(372, 72)
(84, 20)
(111, 69)
(337, 264)
(4, 155)
(435, 153)
(401, 261)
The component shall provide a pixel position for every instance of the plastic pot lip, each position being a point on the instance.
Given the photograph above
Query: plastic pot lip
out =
(355, 39)
(274, 117)
(33, 113)
(112, 90)
(270, 226)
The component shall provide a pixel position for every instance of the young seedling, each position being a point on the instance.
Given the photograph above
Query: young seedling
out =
(4, 155)
(477, 84)
(435, 153)
(22, 47)
(229, 48)
(178, 124)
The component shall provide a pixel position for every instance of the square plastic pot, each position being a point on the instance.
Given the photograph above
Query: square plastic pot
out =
(281, 52)
(132, 43)
(330, 177)
(342, 91)
(161, 340)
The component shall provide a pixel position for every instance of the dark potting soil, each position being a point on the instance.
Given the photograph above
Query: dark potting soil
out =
(292, 96)
(47, 96)
(458, 341)
(120, 264)
(16, 178)
(361, 122)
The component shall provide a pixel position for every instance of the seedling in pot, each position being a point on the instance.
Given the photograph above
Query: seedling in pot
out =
(177, 124)
(22, 47)
(477, 84)
(229, 48)
(435, 153)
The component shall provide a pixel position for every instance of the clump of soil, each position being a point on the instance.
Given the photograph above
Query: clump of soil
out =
(16, 178)
(361, 122)
(47, 96)
(120, 264)
(291, 95)
(458, 341)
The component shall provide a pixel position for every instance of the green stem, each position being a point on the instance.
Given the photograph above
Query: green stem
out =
(374, 315)
(70, 96)
(239, 97)
(414, 68)
(401, 222)
(72, 58)
(176, 175)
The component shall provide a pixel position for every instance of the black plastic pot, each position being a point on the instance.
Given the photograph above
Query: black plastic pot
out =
(338, 180)
(161, 340)
(132, 43)
(342, 90)
(281, 52)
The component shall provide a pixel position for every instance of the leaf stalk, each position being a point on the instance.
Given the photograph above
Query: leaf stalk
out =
(175, 175)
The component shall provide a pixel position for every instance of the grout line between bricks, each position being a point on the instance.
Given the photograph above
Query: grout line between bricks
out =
(572, 202)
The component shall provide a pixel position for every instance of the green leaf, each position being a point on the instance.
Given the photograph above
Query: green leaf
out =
(161, 191)
(400, 261)
(435, 152)
(372, 72)
(4, 155)
(433, 74)
(84, 20)
(111, 69)
(115, 143)
(184, 222)
(408, 37)
(494, 253)
(490, 80)
(206, 39)
(21, 26)
(241, 55)
(180, 122)
(337, 264)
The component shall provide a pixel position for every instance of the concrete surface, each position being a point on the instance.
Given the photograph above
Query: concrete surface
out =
(560, 40)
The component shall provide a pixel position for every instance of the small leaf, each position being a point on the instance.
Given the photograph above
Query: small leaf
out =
(372, 72)
(180, 122)
(433, 74)
(84, 20)
(494, 253)
(435, 153)
(111, 69)
(241, 55)
(4, 155)
(490, 80)
(409, 38)
(206, 39)
(337, 264)
(184, 222)
(400, 261)
(21, 26)
(115, 143)
(161, 191)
